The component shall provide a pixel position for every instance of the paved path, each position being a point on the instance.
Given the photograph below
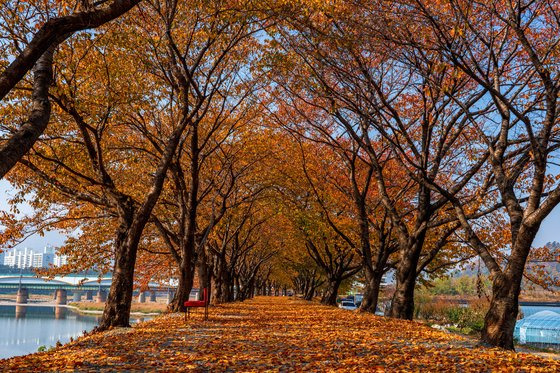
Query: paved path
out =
(277, 334)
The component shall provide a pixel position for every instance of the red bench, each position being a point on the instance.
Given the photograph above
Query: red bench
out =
(197, 303)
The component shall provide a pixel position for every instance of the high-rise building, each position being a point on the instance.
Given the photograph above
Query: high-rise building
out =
(60, 260)
(33, 258)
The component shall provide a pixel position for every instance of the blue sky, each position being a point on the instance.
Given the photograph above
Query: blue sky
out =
(35, 241)
(550, 229)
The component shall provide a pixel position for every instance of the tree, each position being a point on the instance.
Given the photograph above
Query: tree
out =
(38, 52)
(507, 49)
(208, 70)
(389, 121)
(78, 160)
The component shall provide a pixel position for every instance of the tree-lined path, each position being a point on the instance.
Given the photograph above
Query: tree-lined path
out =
(286, 146)
(278, 334)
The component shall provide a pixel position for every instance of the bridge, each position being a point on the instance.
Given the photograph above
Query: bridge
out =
(59, 282)
(61, 285)
(71, 282)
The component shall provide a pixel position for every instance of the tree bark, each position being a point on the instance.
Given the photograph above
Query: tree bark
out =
(117, 307)
(226, 286)
(402, 305)
(310, 291)
(500, 319)
(410, 246)
(331, 293)
(188, 251)
(204, 275)
(184, 287)
(24, 138)
(371, 292)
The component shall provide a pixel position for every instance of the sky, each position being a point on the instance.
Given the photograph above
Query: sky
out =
(35, 241)
(550, 229)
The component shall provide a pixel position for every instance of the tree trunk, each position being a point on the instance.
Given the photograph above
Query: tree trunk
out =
(186, 276)
(222, 283)
(237, 289)
(227, 288)
(204, 277)
(402, 305)
(216, 290)
(500, 319)
(371, 292)
(19, 143)
(117, 307)
(331, 292)
(310, 292)
(188, 241)
(410, 247)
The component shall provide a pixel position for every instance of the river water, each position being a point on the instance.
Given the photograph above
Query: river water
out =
(23, 329)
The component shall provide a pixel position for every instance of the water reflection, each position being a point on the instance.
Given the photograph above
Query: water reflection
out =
(60, 313)
(20, 312)
(23, 329)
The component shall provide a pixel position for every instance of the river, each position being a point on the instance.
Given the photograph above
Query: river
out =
(23, 329)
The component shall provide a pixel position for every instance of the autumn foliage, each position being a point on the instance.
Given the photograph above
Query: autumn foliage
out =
(272, 334)
(261, 148)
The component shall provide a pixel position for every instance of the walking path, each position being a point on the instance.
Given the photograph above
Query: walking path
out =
(277, 334)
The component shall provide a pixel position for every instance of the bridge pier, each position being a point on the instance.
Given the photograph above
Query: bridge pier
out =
(101, 296)
(76, 296)
(22, 295)
(153, 296)
(61, 296)
(89, 295)
(142, 297)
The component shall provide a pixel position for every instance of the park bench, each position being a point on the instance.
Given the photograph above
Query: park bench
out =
(198, 303)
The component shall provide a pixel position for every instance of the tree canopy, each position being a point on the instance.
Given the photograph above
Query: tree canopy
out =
(292, 145)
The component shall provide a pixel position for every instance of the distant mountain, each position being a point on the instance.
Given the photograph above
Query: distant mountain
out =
(553, 245)
(552, 267)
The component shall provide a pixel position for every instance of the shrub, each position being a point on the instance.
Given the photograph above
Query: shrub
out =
(465, 319)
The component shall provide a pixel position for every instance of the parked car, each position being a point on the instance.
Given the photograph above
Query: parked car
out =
(348, 305)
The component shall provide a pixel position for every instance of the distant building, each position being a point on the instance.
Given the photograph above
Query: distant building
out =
(33, 258)
(60, 260)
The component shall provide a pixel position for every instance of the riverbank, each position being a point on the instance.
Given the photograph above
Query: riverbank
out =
(277, 334)
(138, 309)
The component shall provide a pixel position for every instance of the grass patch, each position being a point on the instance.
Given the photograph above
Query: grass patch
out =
(136, 307)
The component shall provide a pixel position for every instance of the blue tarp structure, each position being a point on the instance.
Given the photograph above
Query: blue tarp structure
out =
(540, 328)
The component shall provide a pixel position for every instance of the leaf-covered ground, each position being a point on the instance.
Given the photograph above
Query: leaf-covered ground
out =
(277, 334)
